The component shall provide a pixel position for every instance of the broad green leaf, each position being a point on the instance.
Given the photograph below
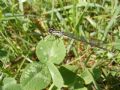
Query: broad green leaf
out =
(86, 75)
(71, 79)
(35, 76)
(56, 76)
(10, 84)
(78, 84)
(68, 74)
(51, 49)
(9, 80)
(72, 68)
(117, 44)
(96, 73)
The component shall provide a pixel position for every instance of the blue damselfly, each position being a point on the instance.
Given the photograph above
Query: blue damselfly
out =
(72, 36)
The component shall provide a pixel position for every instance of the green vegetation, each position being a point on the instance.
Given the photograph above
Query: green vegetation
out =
(33, 59)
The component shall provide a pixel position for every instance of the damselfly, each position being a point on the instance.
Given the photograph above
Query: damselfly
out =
(81, 38)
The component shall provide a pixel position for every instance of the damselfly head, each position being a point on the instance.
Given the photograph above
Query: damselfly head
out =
(55, 32)
(51, 30)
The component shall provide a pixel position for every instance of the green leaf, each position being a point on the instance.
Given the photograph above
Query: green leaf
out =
(9, 80)
(86, 75)
(3, 53)
(4, 56)
(10, 84)
(71, 79)
(113, 20)
(56, 76)
(1, 15)
(92, 22)
(82, 88)
(96, 73)
(68, 74)
(117, 44)
(35, 76)
(78, 84)
(51, 49)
